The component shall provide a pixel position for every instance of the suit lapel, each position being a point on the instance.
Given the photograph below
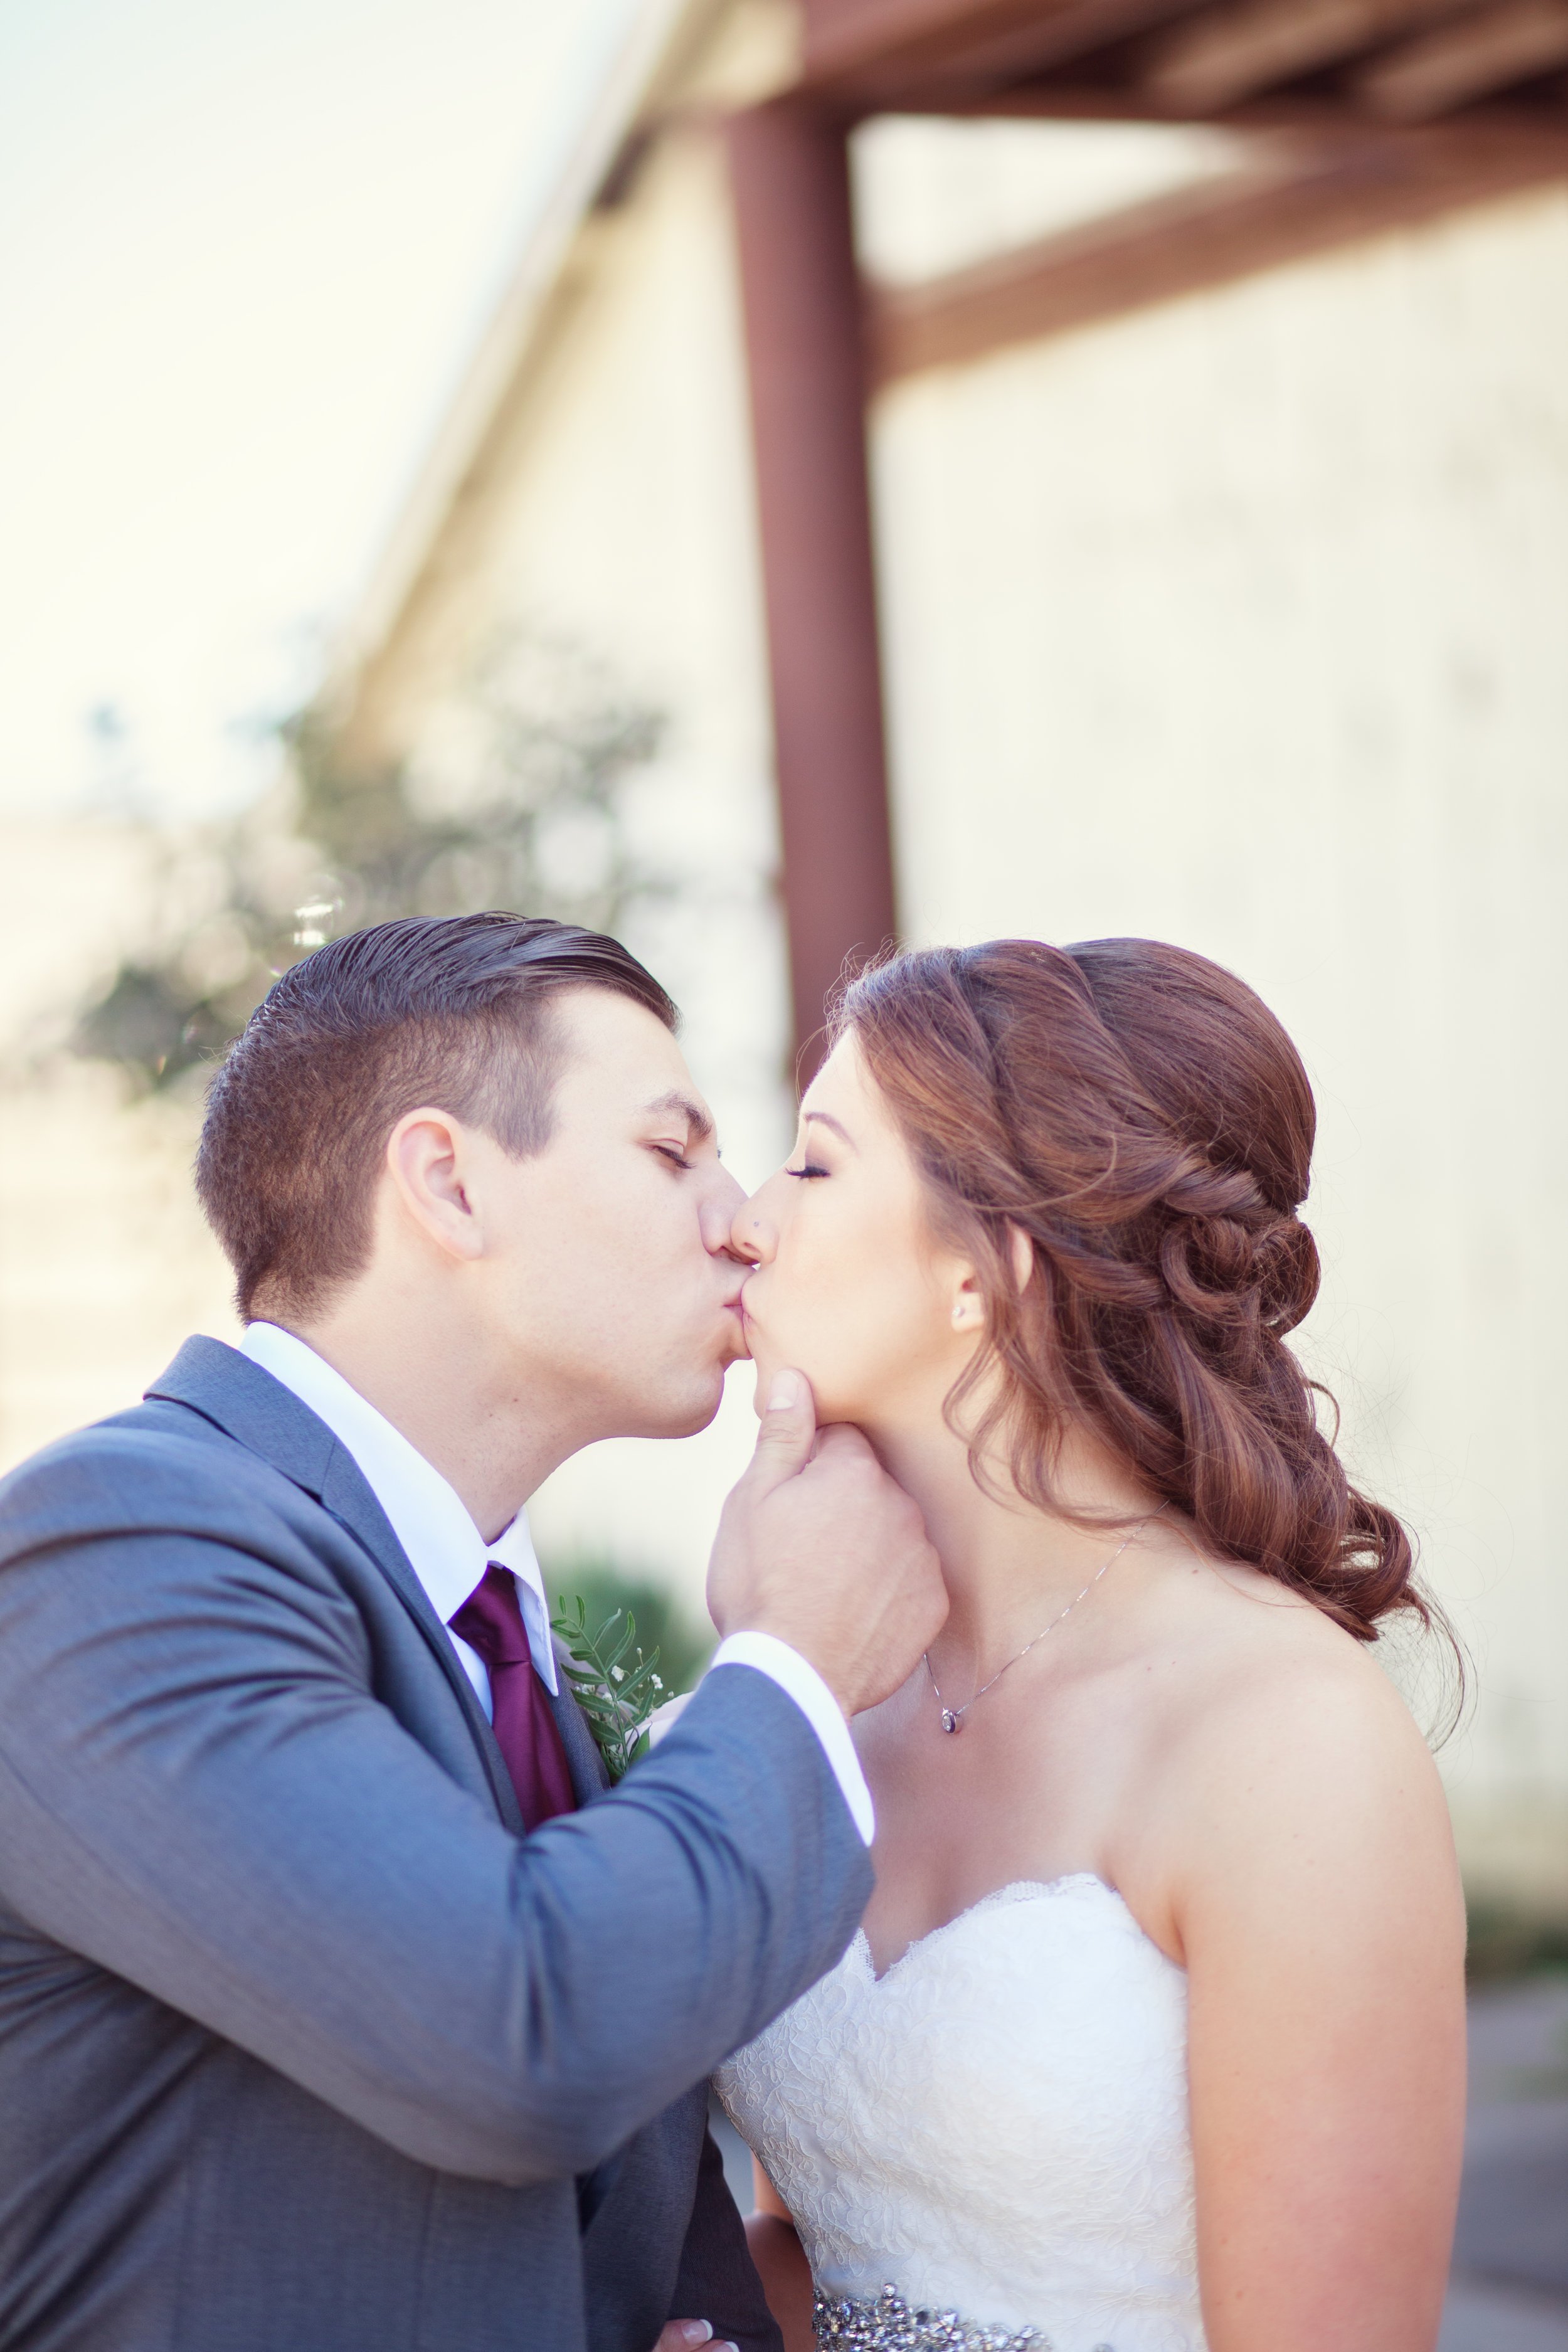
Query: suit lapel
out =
(346, 1493)
(583, 1760)
(226, 1389)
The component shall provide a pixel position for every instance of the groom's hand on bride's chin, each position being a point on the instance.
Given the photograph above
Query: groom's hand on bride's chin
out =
(819, 1546)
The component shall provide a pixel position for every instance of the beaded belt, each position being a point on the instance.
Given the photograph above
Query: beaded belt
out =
(889, 2326)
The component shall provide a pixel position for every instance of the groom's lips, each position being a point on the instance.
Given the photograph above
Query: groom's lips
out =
(736, 1306)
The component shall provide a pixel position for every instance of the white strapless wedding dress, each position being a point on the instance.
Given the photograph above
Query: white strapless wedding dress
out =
(988, 2147)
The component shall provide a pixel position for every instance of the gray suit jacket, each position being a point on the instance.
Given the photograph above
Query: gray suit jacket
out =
(303, 2047)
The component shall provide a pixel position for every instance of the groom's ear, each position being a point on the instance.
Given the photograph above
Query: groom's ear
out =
(429, 1156)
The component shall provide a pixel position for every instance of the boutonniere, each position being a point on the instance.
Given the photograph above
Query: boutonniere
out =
(613, 1683)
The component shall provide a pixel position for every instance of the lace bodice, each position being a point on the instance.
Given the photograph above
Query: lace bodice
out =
(998, 2126)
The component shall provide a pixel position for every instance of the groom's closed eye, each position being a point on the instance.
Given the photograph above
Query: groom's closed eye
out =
(689, 1125)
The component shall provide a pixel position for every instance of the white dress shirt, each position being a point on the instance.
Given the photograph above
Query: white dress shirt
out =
(450, 1555)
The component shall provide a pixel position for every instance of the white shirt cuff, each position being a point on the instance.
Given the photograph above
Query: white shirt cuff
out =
(800, 1681)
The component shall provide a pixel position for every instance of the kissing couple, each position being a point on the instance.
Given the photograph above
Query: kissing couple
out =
(1059, 1895)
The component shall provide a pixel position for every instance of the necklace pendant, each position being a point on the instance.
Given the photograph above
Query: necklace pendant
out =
(950, 1721)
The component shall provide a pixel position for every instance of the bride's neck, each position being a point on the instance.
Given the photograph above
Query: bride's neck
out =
(1005, 1561)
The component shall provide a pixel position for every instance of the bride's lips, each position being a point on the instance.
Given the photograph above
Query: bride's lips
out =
(735, 1305)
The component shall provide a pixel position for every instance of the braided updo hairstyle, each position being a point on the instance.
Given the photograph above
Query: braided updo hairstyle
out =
(1141, 1117)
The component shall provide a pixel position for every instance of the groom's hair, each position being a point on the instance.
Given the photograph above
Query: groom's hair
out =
(453, 1013)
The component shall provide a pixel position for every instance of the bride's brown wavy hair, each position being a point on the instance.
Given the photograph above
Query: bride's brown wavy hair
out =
(1141, 1117)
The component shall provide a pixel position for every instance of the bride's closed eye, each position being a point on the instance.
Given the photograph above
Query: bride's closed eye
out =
(807, 1170)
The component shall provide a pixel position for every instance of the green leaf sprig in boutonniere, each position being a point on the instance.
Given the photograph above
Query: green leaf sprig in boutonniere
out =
(616, 1687)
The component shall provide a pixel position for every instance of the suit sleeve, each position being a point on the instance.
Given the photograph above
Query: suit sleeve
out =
(717, 2279)
(200, 1793)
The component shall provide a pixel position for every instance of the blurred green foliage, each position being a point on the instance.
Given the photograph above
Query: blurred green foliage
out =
(603, 1585)
(519, 801)
(614, 1676)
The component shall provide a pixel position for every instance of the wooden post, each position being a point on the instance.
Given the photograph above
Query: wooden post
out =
(801, 296)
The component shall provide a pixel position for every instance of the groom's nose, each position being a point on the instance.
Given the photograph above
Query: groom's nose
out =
(721, 1206)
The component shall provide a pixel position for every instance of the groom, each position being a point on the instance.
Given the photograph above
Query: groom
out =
(342, 2009)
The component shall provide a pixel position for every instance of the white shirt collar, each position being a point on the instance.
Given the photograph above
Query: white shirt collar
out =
(444, 1548)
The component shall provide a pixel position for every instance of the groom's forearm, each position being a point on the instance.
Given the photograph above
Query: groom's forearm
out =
(198, 1793)
(799, 1679)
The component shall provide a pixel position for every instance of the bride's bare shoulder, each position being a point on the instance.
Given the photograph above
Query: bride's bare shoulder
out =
(1267, 1696)
(1242, 1634)
(1285, 1777)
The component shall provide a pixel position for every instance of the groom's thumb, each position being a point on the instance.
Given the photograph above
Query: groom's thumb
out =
(789, 1426)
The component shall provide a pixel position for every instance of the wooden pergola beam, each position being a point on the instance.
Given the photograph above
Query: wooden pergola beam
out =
(1305, 198)
(886, 54)
(1231, 53)
(1460, 63)
(801, 304)
(1186, 60)
(1321, 172)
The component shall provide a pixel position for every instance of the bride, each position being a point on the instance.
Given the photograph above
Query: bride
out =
(1152, 2038)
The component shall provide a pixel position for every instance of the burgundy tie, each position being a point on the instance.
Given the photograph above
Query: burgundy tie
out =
(490, 1621)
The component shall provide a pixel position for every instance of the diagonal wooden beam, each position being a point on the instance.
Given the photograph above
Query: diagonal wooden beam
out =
(1315, 112)
(1304, 198)
(1231, 53)
(1453, 67)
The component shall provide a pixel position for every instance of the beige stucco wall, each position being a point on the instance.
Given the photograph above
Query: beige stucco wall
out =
(1242, 623)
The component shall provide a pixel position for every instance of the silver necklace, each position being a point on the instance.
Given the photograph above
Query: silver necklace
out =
(952, 1716)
